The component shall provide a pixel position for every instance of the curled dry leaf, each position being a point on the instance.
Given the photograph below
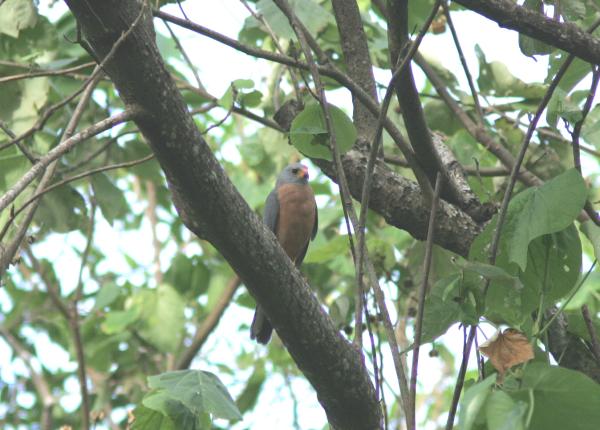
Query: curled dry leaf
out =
(507, 349)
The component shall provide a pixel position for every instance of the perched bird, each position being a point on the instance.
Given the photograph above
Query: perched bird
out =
(291, 213)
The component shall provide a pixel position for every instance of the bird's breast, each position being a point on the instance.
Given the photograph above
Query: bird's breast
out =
(296, 217)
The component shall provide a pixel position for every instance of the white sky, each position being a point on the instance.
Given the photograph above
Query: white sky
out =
(217, 66)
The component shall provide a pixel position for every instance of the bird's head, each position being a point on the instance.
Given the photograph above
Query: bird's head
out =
(295, 173)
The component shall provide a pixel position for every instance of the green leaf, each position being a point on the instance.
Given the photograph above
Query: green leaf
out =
(502, 412)
(327, 250)
(199, 391)
(541, 210)
(17, 15)
(189, 275)
(493, 273)
(231, 94)
(106, 295)
(339, 310)
(310, 13)
(149, 419)
(553, 266)
(441, 310)
(560, 103)
(528, 45)
(473, 402)
(109, 197)
(496, 79)
(308, 132)
(117, 321)
(62, 210)
(563, 398)
(178, 413)
(161, 321)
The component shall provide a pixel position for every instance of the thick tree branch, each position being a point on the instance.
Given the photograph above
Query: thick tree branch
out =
(400, 202)
(357, 60)
(212, 208)
(564, 35)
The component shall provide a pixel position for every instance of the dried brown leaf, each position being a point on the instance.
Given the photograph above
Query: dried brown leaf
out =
(507, 349)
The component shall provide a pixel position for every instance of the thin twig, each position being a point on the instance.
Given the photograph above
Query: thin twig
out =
(566, 302)
(589, 209)
(463, 62)
(595, 341)
(184, 54)
(42, 72)
(421, 307)
(469, 170)
(460, 380)
(81, 373)
(86, 251)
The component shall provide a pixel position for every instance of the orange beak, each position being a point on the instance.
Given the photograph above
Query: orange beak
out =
(303, 173)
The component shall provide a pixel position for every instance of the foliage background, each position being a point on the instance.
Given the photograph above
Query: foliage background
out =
(147, 284)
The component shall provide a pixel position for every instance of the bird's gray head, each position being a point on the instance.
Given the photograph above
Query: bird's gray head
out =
(295, 173)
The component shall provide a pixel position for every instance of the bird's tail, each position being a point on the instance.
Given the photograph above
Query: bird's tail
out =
(261, 328)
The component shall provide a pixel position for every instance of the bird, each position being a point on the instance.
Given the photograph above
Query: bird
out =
(291, 214)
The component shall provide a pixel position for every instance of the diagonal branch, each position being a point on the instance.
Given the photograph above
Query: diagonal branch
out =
(209, 324)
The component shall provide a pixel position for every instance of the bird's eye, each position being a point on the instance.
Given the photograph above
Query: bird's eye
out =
(294, 171)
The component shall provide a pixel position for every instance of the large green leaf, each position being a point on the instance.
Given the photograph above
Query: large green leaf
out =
(541, 210)
(150, 419)
(161, 321)
(308, 132)
(502, 412)
(473, 401)
(199, 391)
(553, 266)
(563, 398)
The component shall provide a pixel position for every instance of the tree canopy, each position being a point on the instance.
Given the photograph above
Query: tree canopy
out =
(454, 202)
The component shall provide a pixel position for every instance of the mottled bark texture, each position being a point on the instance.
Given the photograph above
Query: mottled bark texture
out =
(212, 208)
(358, 62)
